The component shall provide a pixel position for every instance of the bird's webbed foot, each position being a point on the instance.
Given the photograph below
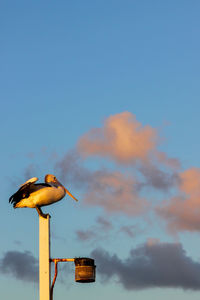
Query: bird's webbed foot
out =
(40, 213)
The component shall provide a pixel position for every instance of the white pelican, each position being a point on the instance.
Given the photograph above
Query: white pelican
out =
(35, 195)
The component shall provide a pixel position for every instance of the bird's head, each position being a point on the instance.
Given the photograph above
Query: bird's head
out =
(49, 178)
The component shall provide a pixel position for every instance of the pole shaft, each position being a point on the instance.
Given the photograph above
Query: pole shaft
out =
(44, 258)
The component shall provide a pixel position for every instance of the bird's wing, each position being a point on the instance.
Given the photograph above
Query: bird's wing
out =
(24, 191)
(31, 180)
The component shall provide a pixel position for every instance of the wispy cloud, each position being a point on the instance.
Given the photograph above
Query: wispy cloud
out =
(130, 230)
(103, 229)
(104, 223)
(30, 171)
(151, 265)
(116, 193)
(100, 230)
(86, 235)
(157, 178)
(71, 170)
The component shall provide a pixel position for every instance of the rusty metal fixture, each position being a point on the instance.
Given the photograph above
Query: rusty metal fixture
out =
(85, 270)
(54, 279)
(56, 260)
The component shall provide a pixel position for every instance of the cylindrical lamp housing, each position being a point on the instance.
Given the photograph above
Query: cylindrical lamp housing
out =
(84, 270)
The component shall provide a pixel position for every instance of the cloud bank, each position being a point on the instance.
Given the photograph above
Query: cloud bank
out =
(151, 265)
(21, 265)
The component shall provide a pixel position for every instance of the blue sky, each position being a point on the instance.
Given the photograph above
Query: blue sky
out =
(69, 67)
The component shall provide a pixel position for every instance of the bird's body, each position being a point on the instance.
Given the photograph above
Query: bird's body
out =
(41, 194)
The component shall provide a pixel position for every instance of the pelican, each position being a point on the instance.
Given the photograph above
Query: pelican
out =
(35, 195)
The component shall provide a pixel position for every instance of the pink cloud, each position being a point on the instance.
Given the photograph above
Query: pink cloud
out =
(126, 141)
(182, 212)
(122, 138)
(114, 191)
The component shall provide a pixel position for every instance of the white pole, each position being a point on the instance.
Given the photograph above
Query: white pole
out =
(44, 258)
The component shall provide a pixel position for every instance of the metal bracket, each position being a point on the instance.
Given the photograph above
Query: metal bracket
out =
(56, 260)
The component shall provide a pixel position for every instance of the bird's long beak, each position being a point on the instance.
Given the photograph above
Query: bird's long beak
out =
(70, 194)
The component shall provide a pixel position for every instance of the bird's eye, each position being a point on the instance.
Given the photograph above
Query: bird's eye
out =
(54, 178)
